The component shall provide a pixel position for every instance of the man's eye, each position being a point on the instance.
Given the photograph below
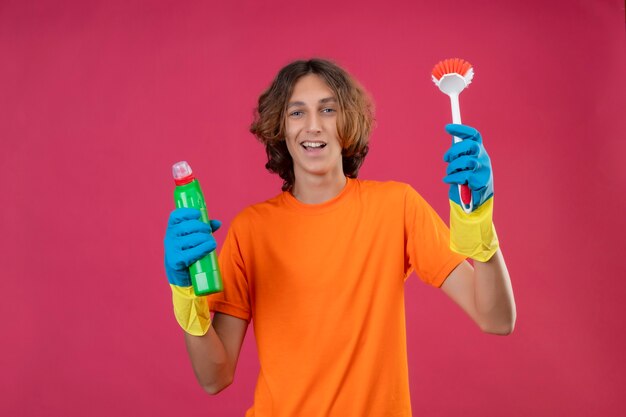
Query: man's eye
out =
(328, 110)
(296, 113)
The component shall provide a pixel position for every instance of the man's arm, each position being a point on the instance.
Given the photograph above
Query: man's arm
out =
(214, 355)
(213, 345)
(485, 293)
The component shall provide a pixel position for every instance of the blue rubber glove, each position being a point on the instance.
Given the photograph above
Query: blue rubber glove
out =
(468, 163)
(187, 239)
(471, 234)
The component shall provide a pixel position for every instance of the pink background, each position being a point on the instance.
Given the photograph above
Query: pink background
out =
(99, 98)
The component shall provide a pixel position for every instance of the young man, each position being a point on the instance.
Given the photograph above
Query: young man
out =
(321, 267)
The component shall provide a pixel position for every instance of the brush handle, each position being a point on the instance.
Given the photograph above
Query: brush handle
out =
(465, 194)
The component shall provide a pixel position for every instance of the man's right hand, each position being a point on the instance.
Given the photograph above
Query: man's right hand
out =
(187, 239)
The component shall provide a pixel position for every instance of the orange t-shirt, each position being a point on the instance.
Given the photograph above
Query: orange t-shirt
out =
(324, 284)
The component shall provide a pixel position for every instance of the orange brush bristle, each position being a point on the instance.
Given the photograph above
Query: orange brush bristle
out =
(450, 66)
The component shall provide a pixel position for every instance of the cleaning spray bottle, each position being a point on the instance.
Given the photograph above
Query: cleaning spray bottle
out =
(205, 273)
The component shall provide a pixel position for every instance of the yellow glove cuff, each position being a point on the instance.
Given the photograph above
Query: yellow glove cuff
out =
(192, 312)
(473, 234)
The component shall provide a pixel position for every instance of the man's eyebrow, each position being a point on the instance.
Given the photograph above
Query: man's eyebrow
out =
(322, 101)
(295, 103)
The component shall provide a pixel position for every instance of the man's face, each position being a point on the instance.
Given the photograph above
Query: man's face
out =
(311, 129)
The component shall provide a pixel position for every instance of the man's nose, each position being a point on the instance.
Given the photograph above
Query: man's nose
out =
(313, 123)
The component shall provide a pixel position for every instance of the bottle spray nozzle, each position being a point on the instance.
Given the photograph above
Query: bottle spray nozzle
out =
(181, 170)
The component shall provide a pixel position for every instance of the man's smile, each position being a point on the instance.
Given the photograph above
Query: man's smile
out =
(309, 145)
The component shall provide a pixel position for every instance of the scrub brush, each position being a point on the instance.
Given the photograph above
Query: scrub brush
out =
(452, 76)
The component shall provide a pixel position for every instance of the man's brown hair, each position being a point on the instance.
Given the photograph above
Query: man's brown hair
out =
(354, 120)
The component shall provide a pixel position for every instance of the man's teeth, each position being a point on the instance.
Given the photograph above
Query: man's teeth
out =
(313, 144)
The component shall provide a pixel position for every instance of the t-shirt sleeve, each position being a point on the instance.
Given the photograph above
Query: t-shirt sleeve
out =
(235, 299)
(428, 250)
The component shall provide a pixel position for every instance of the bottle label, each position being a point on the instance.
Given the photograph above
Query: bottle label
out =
(202, 282)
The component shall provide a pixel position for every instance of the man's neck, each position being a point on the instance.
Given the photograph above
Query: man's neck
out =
(312, 189)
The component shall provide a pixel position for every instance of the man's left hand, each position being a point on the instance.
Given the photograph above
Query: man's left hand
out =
(468, 163)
